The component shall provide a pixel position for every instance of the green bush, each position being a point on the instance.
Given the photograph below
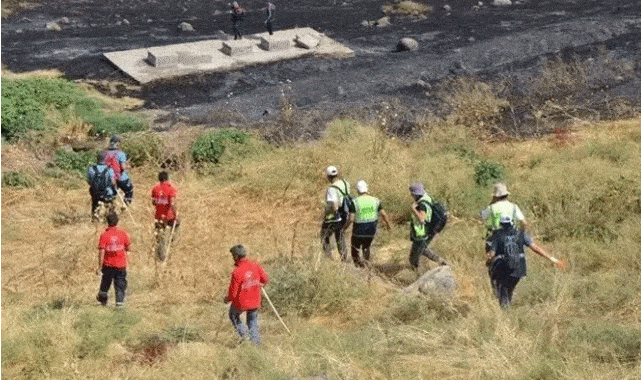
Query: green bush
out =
(78, 161)
(17, 179)
(24, 102)
(210, 146)
(487, 173)
(99, 328)
(143, 149)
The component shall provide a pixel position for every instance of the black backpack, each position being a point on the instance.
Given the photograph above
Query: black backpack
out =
(346, 205)
(100, 182)
(509, 252)
(439, 217)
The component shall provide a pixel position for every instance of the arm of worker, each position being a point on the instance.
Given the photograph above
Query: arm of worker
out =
(385, 219)
(419, 211)
(101, 256)
(541, 252)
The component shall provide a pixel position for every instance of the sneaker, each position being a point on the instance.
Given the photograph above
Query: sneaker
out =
(120, 305)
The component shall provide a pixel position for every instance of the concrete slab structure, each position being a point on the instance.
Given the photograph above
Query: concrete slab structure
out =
(149, 64)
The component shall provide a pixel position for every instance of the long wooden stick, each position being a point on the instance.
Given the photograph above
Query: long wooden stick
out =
(127, 208)
(171, 234)
(275, 311)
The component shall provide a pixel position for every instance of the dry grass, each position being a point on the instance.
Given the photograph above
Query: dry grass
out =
(562, 326)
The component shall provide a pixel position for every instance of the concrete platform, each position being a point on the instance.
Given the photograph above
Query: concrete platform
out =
(158, 62)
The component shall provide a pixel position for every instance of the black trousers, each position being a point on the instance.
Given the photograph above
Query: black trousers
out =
(420, 247)
(334, 228)
(119, 278)
(361, 243)
(503, 289)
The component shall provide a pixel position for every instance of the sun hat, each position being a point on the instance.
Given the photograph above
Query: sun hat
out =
(361, 187)
(500, 190)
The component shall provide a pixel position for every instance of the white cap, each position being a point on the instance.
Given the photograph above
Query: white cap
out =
(506, 219)
(331, 171)
(361, 187)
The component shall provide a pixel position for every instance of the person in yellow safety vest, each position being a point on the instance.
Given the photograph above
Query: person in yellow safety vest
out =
(499, 207)
(364, 213)
(335, 220)
(419, 234)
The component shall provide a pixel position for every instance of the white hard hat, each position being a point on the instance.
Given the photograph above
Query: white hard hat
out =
(361, 187)
(331, 171)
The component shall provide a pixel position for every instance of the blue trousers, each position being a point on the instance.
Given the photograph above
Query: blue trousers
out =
(252, 323)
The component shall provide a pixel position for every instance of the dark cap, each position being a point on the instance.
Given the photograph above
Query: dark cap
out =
(238, 251)
(114, 139)
(417, 189)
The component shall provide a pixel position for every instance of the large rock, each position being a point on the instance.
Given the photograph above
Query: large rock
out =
(438, 281)
(502, 3)
(53, 26)
(407, 44)
(186, 27)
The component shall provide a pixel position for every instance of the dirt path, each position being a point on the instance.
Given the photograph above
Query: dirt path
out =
(468, 39)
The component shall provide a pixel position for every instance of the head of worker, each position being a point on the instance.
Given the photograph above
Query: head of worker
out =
(238, 252)
(417, 191)
(112, 219)
(361, 187)
(114, 141)
(163, 176)
(101, 157)
(500, 192)
(331, 172)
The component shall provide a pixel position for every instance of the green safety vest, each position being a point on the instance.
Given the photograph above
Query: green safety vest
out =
(417, 227)
(497, 210)
(366, 209)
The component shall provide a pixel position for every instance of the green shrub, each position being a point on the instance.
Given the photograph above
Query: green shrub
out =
(143, 149)
(78, 161)
(99, 328)
(17, 179)
(487, 173)
(210, 146)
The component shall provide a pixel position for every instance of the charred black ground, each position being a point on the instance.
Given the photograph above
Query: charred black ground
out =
(460, 37)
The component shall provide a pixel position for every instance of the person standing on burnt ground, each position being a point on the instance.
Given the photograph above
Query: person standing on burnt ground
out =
(237, 15)
(270, 18)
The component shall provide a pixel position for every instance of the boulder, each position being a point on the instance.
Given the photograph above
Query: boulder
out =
(407, 44)
(53, 26)
(383, 22)
(186, 27)
(438, 281)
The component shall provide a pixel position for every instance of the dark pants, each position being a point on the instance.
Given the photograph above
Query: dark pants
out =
(270, 27)
(235, 29)
(252, 323)
(503, 289)
(333, 228)
(95, 203)
(119, 277)
(362, 243)
(420, 247)
(128, 188)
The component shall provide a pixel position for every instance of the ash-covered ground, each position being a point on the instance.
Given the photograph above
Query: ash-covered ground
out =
(459, 38)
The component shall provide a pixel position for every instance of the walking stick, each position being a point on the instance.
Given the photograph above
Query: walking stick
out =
(127, 208)
(275, 311)
(220, 322)
(171, 234)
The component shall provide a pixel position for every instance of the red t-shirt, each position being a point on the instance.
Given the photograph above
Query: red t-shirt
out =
(244, 287)
(115, 242)
(163, 195)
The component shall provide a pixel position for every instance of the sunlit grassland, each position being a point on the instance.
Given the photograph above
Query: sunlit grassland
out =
(580, 192)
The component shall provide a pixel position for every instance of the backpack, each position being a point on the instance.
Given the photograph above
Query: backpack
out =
(439, 217)
(346, 205)
(111, 160)
(510, 256)
(100, 182)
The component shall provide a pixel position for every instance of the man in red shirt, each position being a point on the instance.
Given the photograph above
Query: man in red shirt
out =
(163, 197)
(244, 293)
(112, 261)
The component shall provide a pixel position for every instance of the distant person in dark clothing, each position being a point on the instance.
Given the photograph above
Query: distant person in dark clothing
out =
(237, 14)
(270, 18)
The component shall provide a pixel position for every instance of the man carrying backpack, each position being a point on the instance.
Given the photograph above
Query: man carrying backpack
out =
(102, 184)
(506, 259)
(117, 160)
(421, 231)
(337, 201)
(364, 215)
